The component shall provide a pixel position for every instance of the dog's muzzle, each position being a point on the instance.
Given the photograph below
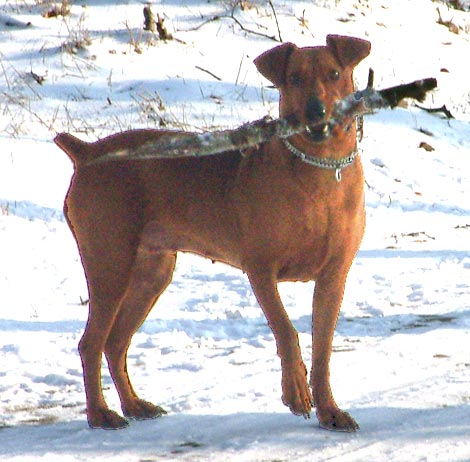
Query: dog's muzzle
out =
(315, 113)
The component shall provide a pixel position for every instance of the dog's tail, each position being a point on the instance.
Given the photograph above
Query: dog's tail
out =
(79, 151)
(82, 153)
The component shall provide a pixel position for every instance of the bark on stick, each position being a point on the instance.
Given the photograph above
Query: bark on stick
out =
(186, 144)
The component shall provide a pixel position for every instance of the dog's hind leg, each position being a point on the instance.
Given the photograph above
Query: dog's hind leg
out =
(104, 215)
(108, 276)
(150, 276)
(91, 347)
(104, 304)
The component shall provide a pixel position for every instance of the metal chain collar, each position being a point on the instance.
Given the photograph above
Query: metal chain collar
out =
(330, 164)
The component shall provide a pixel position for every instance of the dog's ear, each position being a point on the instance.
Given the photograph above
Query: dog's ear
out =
(348, 50)
(272, 63)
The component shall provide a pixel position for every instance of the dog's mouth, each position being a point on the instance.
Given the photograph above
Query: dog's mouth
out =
(318, 132)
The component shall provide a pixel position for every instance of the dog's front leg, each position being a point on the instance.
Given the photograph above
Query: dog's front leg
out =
(295, 390)
(328, 296)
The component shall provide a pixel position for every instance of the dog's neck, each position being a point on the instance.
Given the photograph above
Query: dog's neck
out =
(321, 162)
(338, 151)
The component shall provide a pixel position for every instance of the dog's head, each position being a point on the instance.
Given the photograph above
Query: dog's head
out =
(311, 79)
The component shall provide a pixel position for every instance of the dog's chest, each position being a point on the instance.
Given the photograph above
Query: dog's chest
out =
(316, 229)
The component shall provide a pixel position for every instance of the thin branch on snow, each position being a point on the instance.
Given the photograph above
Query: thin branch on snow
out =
(434, 110)
(277, 22)
(232, 17)
(216, 77)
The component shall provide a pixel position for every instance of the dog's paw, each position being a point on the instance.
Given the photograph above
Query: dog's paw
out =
(142, 410)
(106, 419)
(336, 420)
(296, 393)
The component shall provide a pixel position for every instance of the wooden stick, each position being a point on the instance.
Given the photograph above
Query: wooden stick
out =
(185, 144)
(149, 19)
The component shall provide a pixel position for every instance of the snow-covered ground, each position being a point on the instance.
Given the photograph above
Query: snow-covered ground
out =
(401, 362)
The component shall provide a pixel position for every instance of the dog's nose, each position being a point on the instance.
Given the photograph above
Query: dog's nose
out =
(315, 111)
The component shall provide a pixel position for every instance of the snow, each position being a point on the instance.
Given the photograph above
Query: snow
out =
(401, 361)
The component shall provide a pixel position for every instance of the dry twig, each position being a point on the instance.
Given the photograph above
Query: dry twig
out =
(233, 18)
(208, 72)
(57, 10)
(434, 110)
(449, 24)
(275, 18)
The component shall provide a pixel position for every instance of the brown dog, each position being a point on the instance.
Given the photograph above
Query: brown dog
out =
(281, 212)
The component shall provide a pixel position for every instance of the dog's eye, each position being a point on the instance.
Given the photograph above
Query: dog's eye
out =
(334, 75)
(295, 79)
